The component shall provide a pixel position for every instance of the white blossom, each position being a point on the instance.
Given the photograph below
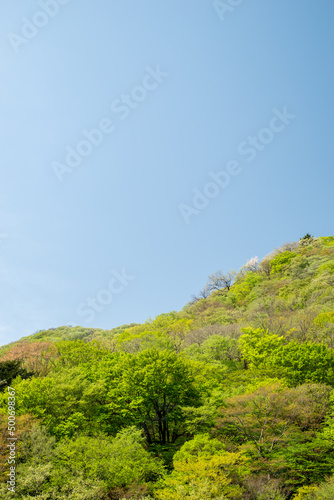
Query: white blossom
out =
(252, 263)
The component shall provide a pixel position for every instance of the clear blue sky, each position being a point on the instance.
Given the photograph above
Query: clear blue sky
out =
(197, 89)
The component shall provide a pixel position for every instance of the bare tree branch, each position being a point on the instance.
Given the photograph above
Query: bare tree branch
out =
(220, 281)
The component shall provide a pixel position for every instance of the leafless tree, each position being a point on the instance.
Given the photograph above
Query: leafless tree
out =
(220, 281)
(203, 294)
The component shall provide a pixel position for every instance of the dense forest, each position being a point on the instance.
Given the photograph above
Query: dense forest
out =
(230, 398)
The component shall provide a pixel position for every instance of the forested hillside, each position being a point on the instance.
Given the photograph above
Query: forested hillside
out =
(230, 398)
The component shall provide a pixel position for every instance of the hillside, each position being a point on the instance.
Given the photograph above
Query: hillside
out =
(231, 397)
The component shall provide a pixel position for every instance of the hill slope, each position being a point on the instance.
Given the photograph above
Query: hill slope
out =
(285, 293)
(231, 397)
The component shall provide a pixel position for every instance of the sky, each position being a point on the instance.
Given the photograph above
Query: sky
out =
(146, 145)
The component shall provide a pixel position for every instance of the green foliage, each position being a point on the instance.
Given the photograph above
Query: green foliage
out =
(148, 390)
(328, 266)
(74, 353)
(201, 445)
(133, 342)
(36, 445)
(281, 260)
(256, 346)
(204, 469)
(117, 462)
(84, 467)
(243, 288)
(307, 362)
(307, 461)
(324, 318)
(66, 402)
(233, 394)
(325, 491)
(267, 416)
(297, 362)
(216, 349)
(327, 240)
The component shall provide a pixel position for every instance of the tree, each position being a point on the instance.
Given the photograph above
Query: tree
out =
(273, 415)
(307, 461)
(258, 417)
(281, 260)
(79, 352)
(35, 357)
(265, 266)
(203, 294)
(297, 362)
(220, 281)
(256, 345)
(323, 491)
(148, 390)
(306, 362)
(117, 462)
(306, 239)
(252, 264)
(70, 401)
(325, 324)
(216, 349)
(10, 370)
(203, 469)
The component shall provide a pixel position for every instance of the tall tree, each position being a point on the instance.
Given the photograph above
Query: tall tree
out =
(148, 390)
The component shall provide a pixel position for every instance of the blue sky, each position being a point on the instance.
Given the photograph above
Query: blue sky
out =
(180, 92)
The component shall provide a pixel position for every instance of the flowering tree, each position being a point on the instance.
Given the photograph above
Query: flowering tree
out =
(252, 264)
